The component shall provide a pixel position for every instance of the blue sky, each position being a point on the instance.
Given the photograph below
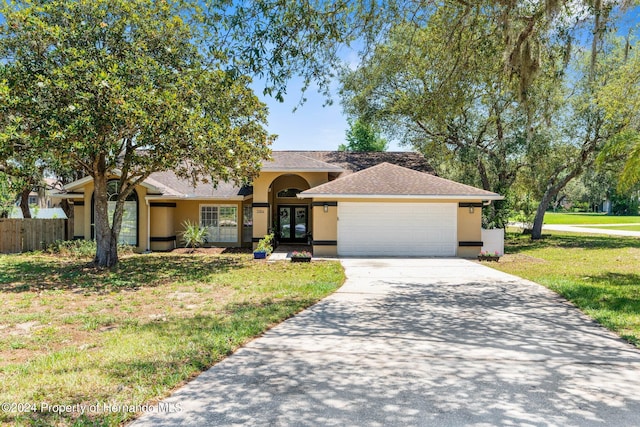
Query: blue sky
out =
(314, 125)
(311, 126)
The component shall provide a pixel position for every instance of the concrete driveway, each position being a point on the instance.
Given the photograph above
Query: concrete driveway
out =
(422, 342)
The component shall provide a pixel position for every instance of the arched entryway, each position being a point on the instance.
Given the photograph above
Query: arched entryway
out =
(291, 214)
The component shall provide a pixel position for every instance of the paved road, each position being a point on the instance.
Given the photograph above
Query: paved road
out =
(583, 229)
(438, 342)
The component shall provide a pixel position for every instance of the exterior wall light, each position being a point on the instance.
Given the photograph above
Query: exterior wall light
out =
(471, 209)
(325, 207)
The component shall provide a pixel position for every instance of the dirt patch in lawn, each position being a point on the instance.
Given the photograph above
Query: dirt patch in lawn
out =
(520, 259)
(65, 303)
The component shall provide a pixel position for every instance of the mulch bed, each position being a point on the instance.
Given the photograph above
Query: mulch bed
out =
(212, 251)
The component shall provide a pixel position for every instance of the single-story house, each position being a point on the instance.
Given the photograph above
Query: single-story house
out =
(342, 203)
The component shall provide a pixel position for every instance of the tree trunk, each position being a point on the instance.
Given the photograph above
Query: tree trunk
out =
(536, 232)
(106, 242)
(551, 192)
(24, 203)
(67, 208)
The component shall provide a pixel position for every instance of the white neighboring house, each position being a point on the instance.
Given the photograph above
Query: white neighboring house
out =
(41, 204)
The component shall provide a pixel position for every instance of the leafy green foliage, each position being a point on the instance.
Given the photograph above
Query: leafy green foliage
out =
(491, 98)
(193, 235)
(7, 196)
(625, 147)
(106, 84)
(363, 136)
(441, 89)
(80, 248)
(624, 204)
(265, 244)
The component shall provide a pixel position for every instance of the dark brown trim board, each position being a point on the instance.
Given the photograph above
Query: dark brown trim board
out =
(260, 205)
(469, 205)
(324, 203)
(462, 244)
(163, 239)
(324, 243)
(162, 205)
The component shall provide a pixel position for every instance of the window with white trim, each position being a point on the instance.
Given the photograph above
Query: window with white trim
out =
(221, 222)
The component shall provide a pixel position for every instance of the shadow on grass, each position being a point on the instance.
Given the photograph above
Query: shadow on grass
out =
(606, 297)
(28, 273)
(184, 347)
(203, 340)
(516, 243)
(619, 279)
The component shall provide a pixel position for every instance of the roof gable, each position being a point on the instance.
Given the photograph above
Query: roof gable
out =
(386, 179)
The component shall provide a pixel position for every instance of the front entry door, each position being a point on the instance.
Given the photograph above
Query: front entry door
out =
(293, 223)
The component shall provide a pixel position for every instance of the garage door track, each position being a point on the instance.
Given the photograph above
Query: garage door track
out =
(422, 342)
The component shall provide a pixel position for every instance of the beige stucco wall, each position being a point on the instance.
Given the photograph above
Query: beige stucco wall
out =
(78, 221)
(289, 181)
(325, 225)
(261, 220)
(469, 230)
(162, 225)
(263, 182)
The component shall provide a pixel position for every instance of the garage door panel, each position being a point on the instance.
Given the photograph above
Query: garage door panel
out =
(397, 229)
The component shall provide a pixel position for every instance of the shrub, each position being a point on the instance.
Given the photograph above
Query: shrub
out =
(265, 244)
(193, 235)
(81, 248)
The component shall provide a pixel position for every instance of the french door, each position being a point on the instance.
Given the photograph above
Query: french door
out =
(293, 223)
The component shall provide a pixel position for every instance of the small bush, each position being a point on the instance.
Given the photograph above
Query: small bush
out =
(73, 248)
(193, 235)
(265, 244)
(81, 248)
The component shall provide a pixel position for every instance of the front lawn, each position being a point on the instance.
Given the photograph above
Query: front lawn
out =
(599, 274)
(71, 334)
(588, 218)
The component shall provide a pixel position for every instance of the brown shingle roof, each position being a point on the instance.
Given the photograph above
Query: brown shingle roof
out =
(173, 186)
(297, 161)
(387, 179)
(356, 161)
(339, 164)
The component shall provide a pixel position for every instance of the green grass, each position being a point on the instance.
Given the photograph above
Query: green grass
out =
(617, 227)
(599, 274)
(77, 335)
(588, 218)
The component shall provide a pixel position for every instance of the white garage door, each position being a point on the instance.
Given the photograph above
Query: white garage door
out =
(397, 229)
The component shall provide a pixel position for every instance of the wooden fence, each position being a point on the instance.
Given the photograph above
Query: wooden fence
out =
(23, 235)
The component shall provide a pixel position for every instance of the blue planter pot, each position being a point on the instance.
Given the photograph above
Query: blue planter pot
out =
(259, 255)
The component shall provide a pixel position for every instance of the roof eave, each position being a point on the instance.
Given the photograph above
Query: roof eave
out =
(87, 179)
(278, 169)
(67, 195)
(187, 197)
(304, 195)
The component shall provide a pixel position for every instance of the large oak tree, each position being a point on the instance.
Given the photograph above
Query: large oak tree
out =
(125, 88)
